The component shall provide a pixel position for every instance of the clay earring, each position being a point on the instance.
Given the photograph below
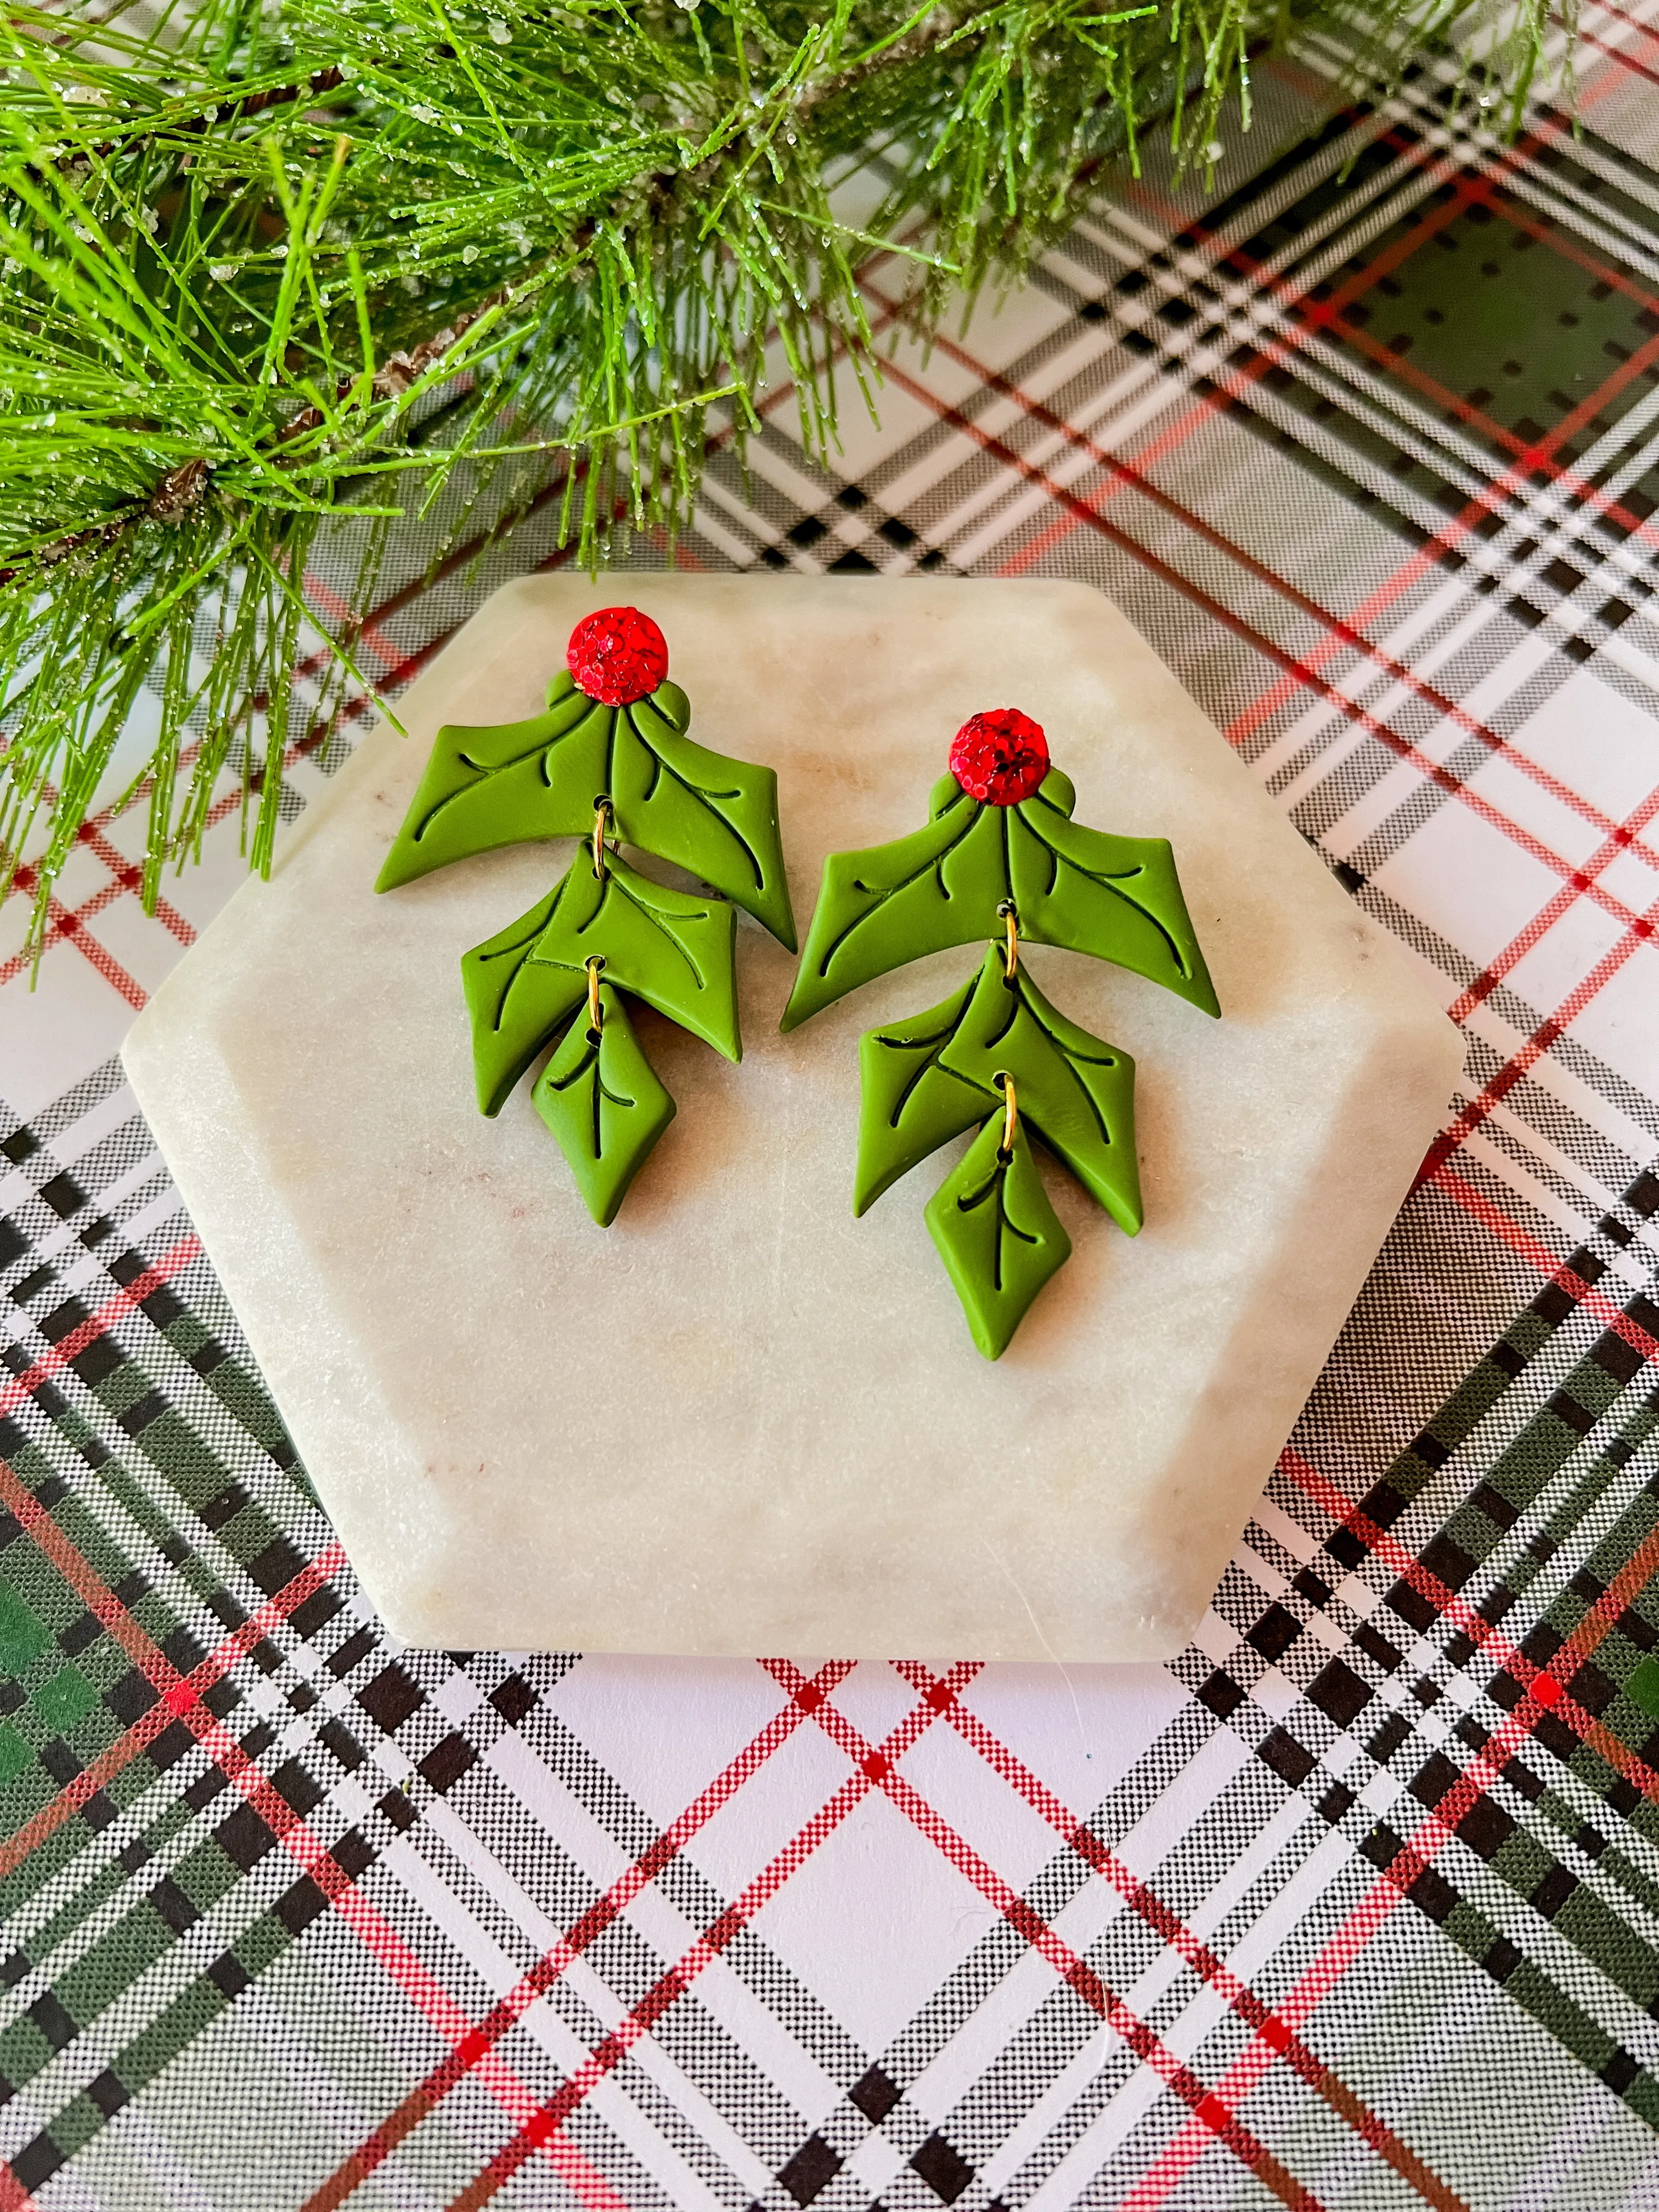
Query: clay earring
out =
(999, 858)
(609, 762)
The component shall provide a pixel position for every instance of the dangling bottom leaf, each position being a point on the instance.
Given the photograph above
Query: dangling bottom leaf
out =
(997, 1234)
(600, 1097)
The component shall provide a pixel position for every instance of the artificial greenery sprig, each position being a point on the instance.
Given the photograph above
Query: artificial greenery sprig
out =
(272, 278)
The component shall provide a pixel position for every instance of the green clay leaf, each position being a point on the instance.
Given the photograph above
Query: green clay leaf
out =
(999, 1238)
(485, 787)
(601, 1098)
(668, 699)
(714, 816)
(925, 1080)
(891, 903)
(1076, 1093)
(515, 1008)
(675, 950)
(907, 1105)
(1117, 898)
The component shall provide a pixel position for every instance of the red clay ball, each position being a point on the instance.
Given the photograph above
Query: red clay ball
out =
(617, 656)
(1000, 757)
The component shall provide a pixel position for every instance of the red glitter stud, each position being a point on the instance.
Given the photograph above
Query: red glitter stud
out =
(1000, 755)
(617, 656)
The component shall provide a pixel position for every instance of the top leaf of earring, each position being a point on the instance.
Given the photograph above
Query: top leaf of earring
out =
(1117, 898)
(513, 783)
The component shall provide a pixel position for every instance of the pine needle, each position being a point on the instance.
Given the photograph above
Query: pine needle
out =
(260, 266)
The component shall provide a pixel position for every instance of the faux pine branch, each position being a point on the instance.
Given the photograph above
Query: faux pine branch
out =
(271, 276)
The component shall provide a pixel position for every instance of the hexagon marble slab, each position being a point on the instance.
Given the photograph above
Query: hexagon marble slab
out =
(739, 1421)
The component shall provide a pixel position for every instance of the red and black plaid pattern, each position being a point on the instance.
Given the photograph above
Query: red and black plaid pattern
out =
(1358, 1902)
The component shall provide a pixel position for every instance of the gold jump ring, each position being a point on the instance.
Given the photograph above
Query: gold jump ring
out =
(601, 813)
(1010, 1114)
(1013, 920)
(595, 1016)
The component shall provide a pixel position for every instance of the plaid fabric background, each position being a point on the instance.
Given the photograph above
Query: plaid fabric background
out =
(1357, 1904)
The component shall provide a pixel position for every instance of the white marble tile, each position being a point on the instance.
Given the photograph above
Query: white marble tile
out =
(741, 1421)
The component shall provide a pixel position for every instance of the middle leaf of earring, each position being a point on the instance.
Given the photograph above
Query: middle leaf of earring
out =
(999, 857)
